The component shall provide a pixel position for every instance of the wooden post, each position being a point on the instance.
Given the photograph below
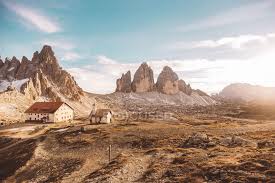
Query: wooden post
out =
(110, 149)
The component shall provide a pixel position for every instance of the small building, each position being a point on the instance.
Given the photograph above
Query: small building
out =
(101, 116)
(49, 112)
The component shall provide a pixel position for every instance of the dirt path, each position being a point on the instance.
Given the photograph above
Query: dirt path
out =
(125, 168)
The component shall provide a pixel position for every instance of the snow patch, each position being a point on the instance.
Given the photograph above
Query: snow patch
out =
(10, 69)
(4, 84)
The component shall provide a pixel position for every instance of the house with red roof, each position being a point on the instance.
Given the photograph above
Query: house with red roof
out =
(49, 112)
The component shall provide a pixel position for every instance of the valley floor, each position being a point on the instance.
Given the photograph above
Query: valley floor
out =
(216, 149)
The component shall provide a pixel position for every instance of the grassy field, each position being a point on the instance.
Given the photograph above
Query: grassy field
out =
(194, 148)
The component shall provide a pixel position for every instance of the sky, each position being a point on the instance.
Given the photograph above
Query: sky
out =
(209, 43)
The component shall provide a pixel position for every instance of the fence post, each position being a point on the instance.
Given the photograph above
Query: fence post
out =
(110, 149)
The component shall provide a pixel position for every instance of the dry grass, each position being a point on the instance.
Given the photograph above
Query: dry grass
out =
(149, 151)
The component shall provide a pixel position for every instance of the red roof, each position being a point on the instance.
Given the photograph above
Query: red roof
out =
(44, 107)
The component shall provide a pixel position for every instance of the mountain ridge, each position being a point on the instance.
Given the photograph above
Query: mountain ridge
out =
(248, 93)
(44, 74)
(167, 82)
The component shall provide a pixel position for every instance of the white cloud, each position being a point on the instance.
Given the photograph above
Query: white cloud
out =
(70, 56)
(237, 42)
(236, 15)
(101, 59)
(33, 17)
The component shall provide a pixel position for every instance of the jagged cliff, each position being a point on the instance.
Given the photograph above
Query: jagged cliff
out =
(143, 79)
(124, 83)
(168, 82)
(42, 76)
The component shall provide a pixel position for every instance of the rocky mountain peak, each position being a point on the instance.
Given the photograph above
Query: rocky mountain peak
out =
(183, 87)
(7, 60)
(167, 81)
(124, 83)
(35, 57)
(43, 76)
(47, 50)
(24, 59)
(14, 59)
(46, 56)
(143, 79)
(1, 63)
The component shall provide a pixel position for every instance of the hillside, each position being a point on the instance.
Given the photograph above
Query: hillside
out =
(39, 79)
(248, 93)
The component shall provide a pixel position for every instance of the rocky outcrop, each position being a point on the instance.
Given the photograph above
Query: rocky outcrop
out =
(124, 83)
(185, 88)
(9, 69)
(143, 79)
(234, 141)
(199, 92)
(198, 140)
(167, 82)
(45, 76)
(1, 63)
(24, 70)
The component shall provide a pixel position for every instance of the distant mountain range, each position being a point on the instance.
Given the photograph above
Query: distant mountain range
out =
(42, 79)
(248, 93)
(167, 90)
(167, 83)
(38, 79)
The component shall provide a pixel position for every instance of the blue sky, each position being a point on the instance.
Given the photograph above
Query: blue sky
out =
(209, 43)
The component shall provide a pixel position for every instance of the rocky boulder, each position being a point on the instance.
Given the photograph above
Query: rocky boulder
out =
(124, 83)
(198, 140)
(234, 141)
(167, 82)
(143, 79)
(266, 144)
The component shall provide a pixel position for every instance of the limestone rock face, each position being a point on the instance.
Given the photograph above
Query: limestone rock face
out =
(201, 93)
(9, 69)
(167, 82)
(143, 79)
(35, 57)
(4, 69)
(23, 69)
(185, 88)
(124, 83)
(46, 77)
(1, 63)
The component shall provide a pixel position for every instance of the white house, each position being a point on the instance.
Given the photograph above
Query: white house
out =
(49, 112)
(101, 116)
